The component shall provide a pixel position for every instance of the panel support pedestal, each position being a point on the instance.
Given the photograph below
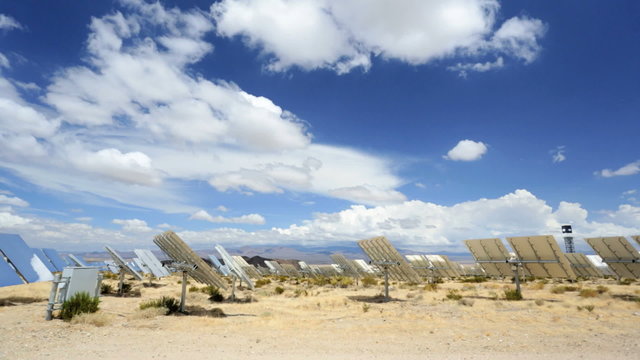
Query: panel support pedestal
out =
(121, 283)
(183, 296)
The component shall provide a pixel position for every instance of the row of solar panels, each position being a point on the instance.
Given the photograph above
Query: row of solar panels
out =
(538, 256)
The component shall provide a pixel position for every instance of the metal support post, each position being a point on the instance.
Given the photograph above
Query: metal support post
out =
(517, 278)
(183, 296)
(386, 283)
(233, 288)
(52, 297)
(121, 283)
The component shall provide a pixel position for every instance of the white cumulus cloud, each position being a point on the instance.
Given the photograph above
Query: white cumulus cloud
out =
(467, 150)
(133, 225)
(344, 34)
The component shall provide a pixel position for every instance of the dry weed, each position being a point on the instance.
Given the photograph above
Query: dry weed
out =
(98, 319)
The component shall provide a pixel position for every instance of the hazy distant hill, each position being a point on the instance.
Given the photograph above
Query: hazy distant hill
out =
(312, 255)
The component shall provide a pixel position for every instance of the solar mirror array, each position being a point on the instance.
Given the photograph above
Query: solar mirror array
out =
(187, 261)
(235, 268)
(621, 257)
(582, 266)
(172, 245)
(541, 256)
(491, 255)
(122, 264)
(248, 268)
(222, 269)
(348, 268)
(19, 263)
(151, 262)
(385, 256)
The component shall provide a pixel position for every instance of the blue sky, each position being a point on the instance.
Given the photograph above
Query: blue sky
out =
(317, 122)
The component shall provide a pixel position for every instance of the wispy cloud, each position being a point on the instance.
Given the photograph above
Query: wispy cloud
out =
(557, 154)
(629, 169)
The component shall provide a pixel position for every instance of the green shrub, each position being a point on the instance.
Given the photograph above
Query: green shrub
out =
(79, 303)
(321, 281)
(300, 292)
(172, 305)
(588, 293)
(571, 288)
(601, 289)
(558, 290)
(512, 295)
(106, 289)
(453, 295)
(589, 308)
(365, 307)
(279, 290)
(368, 281)
(262, 282)
(474, 279)
(194, 288)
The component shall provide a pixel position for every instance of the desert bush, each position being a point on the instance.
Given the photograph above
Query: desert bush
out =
(465, 302)
(79, 303)
(588, 293)
(214, 293)
(109, 275)
(368, 281)
(171, 305)
(625, 281)
(279, 290)
(512, 295)
(194, 288)
(453, 295)
(601, 289)
(106, 289)
(365, 307)
(571, 288)
(320, 281)
(262, 282)
(126, 287)
(341, 281)
(431, 287)
(493, 295)
(558, 290)
(474, 279)
(539, 285)
(539, 302)
(300, 292)
(589, 308)
(282, 278)
(468, 287)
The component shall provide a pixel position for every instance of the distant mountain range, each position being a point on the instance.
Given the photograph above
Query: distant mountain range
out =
(311, 255)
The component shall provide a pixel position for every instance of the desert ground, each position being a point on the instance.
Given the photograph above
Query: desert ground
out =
(332, 322)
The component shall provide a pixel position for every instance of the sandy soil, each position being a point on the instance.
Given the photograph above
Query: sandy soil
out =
(323, 322)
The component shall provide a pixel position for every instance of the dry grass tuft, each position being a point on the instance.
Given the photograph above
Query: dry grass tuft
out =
(588, 293)
(18, 300)
(97, 319)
